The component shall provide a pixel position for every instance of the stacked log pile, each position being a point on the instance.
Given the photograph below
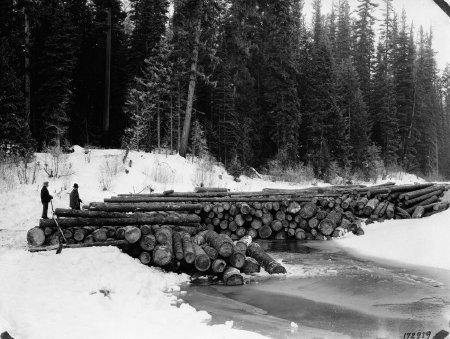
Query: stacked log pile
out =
(212, 230)
(313, 213)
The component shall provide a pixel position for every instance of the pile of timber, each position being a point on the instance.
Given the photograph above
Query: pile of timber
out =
(314, 213)
(212, 230)
(178, 248)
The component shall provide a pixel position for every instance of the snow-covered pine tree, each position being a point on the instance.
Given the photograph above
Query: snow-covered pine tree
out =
(148, 99)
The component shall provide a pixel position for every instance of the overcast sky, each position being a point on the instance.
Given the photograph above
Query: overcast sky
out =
(421, 12)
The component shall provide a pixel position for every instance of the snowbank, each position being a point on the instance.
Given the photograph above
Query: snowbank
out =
(414, 241)
(96, 293)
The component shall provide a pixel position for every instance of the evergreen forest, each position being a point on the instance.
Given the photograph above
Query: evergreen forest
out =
(251, 83)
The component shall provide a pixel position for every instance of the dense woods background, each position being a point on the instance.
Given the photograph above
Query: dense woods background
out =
(248, 81)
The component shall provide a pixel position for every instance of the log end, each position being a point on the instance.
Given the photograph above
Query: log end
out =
(35, 236)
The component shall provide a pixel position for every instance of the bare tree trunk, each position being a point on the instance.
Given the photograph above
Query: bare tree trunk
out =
(107, 74)
(27, 69)
(171, 127)
(191, 91)
(159, 128)
(179, 119)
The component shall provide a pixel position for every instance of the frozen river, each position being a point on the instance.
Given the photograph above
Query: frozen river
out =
(331, 293)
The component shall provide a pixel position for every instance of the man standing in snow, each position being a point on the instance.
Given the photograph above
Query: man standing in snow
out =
(45, 199)
(75, 198)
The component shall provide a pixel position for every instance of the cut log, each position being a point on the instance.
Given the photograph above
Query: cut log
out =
(211, 189)
(280, 215)
(441, 206)
(199, 238)
(232, 277)
(383, 210)
(421, 198)
(406, 188)
(420, 192)
(276, 225)
(81, 233)
(321, 214)
(250, 266)
(294, 207)
(245, 209)
(244, 199)
(252, 232)
(177, 245)
(232, 226)
(210, 251)
(147, 242)
(338, 232)
(362, 202)
(239, 220)
(402, 213)
(308, 210)
(431, 200)
(188, 249)
(132, 234)
(70, 213)
(222, 243)
(101, 236)
(35, 236)
(48, 231)
(300, 234)
(218, 265)
(265, 232)
(390, 211)
(313, 222)
(142, 207)
(110, 231)
(244, 242)
(237, 259)
(265, 260)
(346, 203)
(418, 212)
(164, 235)
(145, 258)
(146, 229)
(256, 223)
(162, 255)
(120, 233)
(370, 207)
(328, 224)
(171, 219)
(376, 213)
(118, 243)
(202, 261)
(241, 231)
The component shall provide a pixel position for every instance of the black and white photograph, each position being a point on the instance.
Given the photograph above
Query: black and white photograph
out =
(224, 169)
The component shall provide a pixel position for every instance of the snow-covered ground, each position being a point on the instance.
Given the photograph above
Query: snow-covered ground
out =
(101, 293)
(422, 242)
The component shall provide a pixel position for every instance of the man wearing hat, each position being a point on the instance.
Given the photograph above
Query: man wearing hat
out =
(45, 199)
(75, 198)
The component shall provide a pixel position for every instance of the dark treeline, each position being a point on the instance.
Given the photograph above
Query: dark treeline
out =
(247, 81)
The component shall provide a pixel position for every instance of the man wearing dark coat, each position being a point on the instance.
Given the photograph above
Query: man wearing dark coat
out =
(45, 199)
(75, 198)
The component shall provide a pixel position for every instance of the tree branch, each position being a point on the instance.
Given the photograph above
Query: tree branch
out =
(443, 5)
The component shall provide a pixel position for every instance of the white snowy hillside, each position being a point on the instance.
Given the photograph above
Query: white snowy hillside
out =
(103, 293)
